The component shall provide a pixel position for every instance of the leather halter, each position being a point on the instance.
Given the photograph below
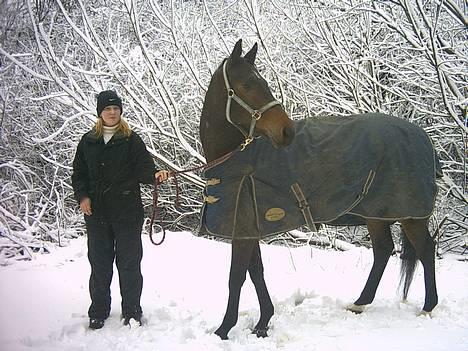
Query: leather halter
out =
(255, 114)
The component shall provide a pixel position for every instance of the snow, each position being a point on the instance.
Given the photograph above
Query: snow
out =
(44, 302)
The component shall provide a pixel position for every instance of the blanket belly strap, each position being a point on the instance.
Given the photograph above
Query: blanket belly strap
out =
(304, 206)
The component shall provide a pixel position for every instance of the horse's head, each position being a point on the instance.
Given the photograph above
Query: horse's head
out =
(251, 106)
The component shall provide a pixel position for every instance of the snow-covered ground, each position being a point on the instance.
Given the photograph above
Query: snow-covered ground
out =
(44, 302)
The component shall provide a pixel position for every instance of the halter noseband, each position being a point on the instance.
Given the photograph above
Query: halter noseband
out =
(255, 114)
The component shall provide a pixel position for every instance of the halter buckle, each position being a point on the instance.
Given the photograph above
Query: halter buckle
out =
(256, 115)
(246, 142)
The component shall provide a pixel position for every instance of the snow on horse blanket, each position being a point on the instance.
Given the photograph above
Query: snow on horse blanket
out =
(337, 170)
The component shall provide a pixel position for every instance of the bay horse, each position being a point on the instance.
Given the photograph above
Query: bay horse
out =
(238, 107)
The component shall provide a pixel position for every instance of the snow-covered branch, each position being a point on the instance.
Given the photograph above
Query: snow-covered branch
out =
(406, 58)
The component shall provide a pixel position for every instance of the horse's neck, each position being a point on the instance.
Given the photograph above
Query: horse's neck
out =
(218, 136)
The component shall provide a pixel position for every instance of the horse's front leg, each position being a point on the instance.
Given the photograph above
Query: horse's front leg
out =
(240, 261)
(266, 306)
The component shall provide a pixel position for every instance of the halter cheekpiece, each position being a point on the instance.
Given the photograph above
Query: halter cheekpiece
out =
(255, 114)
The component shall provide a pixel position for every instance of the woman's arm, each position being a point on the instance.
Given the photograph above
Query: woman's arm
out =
(80, 178)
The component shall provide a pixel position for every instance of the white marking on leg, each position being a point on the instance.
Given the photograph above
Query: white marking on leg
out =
(355, 308)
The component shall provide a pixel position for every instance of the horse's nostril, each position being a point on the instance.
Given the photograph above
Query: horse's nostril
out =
(288, 135)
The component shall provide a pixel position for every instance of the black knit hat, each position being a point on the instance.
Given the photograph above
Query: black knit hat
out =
(107, 98)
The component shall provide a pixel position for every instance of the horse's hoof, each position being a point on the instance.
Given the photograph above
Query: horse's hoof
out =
(261, 333)
(222, 334)
(425, 314)
(355, 308)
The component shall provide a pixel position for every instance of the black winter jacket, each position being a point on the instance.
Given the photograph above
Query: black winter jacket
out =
(110, 175)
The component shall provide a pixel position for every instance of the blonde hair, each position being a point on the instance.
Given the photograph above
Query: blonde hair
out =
(122, 127)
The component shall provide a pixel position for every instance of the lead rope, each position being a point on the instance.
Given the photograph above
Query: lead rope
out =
(174, 174)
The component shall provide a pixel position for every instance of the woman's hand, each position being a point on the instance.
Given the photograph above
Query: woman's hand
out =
(85, 206)
(162, 176)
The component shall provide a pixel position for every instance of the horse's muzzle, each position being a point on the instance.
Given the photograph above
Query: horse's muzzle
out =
(284, 137)
(288, 135)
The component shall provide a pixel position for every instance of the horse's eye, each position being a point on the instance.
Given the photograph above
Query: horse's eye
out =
(253, 80)
(247, 85)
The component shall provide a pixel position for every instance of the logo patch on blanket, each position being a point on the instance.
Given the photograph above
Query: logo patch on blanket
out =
(274, 214)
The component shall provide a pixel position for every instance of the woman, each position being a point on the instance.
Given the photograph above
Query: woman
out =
(110, 163)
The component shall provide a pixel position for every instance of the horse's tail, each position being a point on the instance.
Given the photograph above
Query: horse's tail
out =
(408, 264)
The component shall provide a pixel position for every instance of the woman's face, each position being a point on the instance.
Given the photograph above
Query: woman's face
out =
(111, 115)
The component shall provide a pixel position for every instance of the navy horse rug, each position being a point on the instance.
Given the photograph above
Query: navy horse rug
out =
(337, 170)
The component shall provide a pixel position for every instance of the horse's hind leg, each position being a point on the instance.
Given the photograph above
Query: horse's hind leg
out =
(240, 261)
(418, 235)
(382, 246)
(266, 306)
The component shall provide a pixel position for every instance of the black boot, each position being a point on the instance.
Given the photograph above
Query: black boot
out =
(96, 323)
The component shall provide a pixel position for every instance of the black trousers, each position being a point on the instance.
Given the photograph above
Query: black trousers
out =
(122, 241)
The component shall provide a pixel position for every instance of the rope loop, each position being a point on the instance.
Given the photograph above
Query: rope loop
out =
(153, 216)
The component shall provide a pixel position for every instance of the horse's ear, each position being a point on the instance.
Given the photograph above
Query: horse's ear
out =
(250, 56)
(237, 51)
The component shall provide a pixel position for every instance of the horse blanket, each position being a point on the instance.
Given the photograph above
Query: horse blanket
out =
(337, 170)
